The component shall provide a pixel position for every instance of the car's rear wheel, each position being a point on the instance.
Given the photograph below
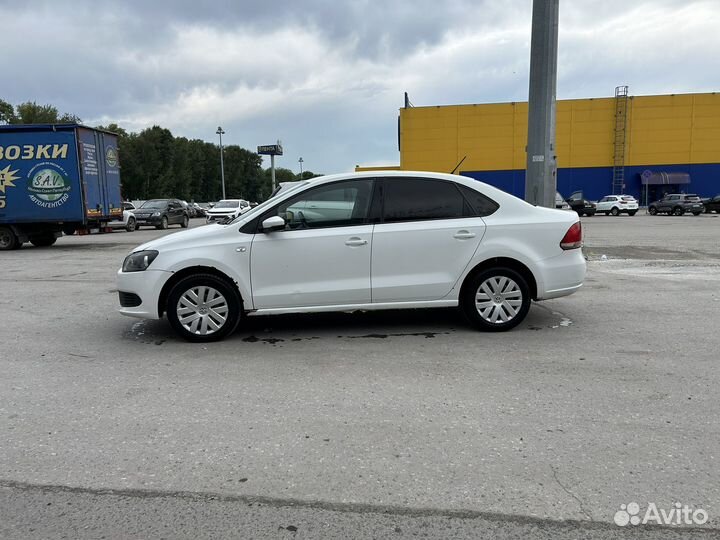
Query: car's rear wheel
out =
(8, 240)
(677, 211)
(615, 211)
(131, 224)
(652, 211)
(696, 213)
(496, 299)
(632, 212)
(203, 308)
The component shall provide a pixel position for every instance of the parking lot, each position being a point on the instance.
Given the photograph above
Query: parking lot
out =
(387, 424)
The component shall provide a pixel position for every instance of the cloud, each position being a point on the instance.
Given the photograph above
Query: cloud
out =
(328, 77)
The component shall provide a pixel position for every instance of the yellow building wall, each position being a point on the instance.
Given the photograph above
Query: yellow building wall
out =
(671, 129)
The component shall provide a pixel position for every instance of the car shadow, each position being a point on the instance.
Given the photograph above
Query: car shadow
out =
(418, 323)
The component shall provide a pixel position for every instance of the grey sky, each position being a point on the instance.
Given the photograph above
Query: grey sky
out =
(327, 77)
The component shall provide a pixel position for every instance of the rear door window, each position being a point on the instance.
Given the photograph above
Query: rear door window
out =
(419, 199)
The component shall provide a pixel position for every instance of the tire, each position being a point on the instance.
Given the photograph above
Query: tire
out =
(182, 308)
(677, 211)
(590, 214)
(8, 240)
(163, 223)
(632, 212)
(131, 225)
(45, 240)
(652, 211)
(696, 213)
(479, 306)
(185, 222)
(69, 230)
(615, 211)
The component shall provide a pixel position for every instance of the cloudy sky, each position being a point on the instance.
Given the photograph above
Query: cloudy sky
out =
(327, 77)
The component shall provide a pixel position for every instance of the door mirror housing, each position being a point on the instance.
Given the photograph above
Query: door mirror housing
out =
(273, 223)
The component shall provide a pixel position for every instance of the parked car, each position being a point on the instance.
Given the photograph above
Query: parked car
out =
(677, 204)
(199, 210)
(580, 204)
(226, 209)
(160, 213)
(393, 240)
(712, 204)
(128, 221)
(560, 203)
(617, 204)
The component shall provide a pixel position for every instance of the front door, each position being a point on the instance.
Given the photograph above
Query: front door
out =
(322, 257)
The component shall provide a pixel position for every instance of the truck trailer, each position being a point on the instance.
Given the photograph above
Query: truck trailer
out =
(55, 179)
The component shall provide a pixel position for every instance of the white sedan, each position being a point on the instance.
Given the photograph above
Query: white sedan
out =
(363, 241)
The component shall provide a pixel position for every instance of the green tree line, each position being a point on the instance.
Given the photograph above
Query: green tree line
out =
(156, 164)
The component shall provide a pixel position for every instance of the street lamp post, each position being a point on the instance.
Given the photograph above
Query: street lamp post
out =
(220, 132)
(300, 161)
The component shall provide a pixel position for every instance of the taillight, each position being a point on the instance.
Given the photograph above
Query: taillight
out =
(573, 237)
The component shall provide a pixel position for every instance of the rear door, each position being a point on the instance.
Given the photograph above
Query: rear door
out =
(426, 238)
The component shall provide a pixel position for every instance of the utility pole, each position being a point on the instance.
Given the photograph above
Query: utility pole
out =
(222, 165)
(300, 161)
(541, 173)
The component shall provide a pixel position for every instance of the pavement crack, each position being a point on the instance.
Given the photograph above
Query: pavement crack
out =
(566, 490)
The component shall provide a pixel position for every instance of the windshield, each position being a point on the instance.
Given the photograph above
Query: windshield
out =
(227, 204)
(156, 203)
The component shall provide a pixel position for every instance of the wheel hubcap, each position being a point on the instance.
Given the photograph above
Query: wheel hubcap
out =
(202, 310)
(498, 299)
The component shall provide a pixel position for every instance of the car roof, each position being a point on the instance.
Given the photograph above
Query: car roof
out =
(494, 193)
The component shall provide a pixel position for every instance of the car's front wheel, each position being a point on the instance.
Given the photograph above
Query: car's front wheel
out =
(203, 308)
(652, 211)
(615, 211)
(163, 223)
(496, 299)
(131, 224)
(632, 212)
(185, 222)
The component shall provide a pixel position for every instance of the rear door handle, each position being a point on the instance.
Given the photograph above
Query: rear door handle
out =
(462, 235)
(355, 241)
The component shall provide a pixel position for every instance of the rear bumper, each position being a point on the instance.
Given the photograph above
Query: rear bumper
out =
(145, 285)
(561, 275)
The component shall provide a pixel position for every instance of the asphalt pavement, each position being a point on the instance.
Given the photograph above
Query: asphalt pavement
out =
(377, 425)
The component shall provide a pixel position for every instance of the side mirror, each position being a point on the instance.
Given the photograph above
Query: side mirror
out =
(274, 223)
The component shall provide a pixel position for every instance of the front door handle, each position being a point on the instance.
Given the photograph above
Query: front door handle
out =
(355, 241)
(462, 235)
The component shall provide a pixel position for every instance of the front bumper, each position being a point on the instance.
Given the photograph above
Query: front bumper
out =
(149, 220)
(218, 217)
(147, 286)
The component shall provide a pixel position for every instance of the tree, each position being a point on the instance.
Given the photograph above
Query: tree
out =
(32, 113)
(7, 112)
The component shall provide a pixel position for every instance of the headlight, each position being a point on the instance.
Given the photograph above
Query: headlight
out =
(155, 214)
(139, 261)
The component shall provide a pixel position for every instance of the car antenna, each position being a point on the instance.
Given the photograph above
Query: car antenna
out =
(458, 165)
